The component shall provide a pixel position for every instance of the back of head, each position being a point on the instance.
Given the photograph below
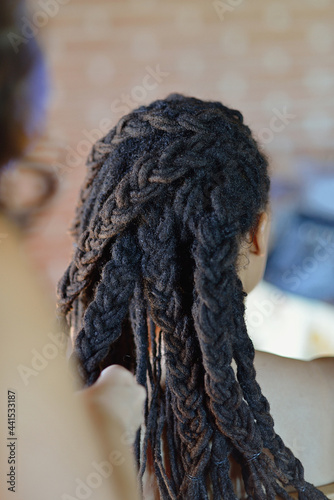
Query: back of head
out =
(169, 195)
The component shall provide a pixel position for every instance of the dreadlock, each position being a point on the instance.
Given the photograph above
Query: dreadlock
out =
(170, 193)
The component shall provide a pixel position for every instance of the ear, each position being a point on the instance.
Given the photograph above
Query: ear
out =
(259, 236)
(253, 256)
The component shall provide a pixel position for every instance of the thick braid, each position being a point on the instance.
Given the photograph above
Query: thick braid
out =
(104, 315)
(219, 467)
(215, 256)
(243, 352)
(161, 278)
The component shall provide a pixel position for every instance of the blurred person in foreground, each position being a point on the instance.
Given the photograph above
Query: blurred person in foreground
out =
(51, 443)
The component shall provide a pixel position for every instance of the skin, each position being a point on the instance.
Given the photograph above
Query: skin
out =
(253, 256)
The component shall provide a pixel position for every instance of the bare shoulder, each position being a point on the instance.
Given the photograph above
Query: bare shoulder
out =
(266, 359)
(326, 368)
(306, 375)
(301, 397)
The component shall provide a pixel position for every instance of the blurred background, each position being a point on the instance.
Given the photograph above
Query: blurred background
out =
(272, 60)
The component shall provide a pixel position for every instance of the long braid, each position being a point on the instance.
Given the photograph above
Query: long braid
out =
(214, 286)
(104, 315)
(170, 194)
(244, 355)
(182, 375)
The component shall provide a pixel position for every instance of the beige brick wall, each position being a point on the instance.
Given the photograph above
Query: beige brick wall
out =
(259, 56)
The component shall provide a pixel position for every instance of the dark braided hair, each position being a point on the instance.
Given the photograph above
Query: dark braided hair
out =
(170, 194)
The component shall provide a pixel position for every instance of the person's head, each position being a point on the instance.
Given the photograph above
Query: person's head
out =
(172, 214)
(22, 83)
(24, 188)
